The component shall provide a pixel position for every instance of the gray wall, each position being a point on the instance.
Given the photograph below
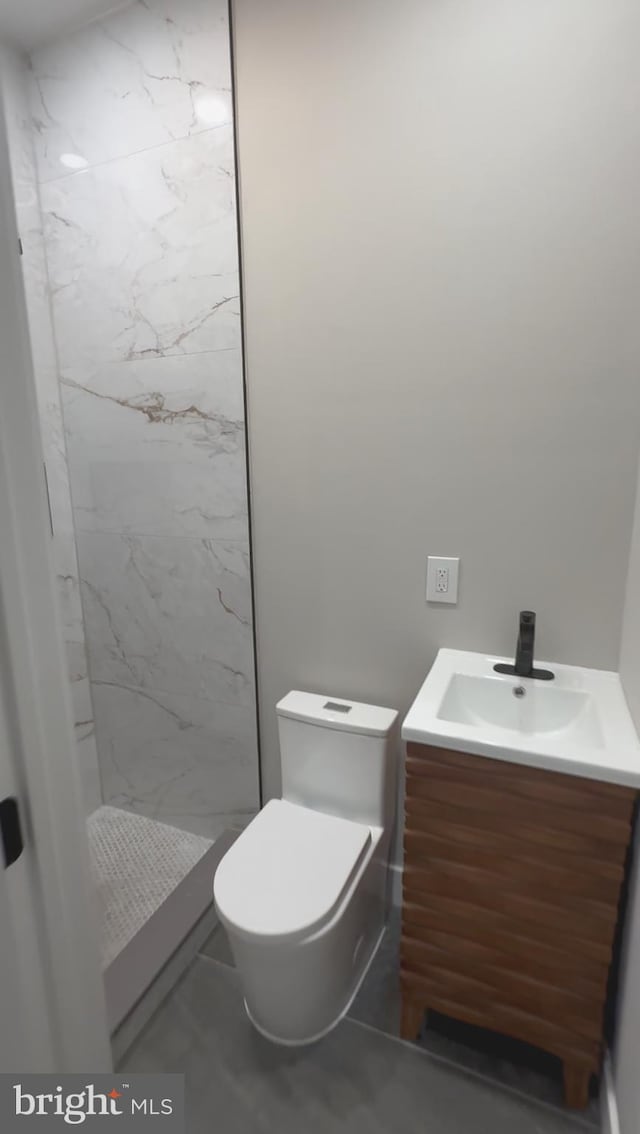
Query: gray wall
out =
(630, 647)
(627, 1044)
(439, 213)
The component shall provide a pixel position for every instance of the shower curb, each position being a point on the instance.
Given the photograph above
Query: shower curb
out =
(138, 965)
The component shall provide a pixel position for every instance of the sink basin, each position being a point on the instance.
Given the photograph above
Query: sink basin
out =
(578, 724)
(482, 701)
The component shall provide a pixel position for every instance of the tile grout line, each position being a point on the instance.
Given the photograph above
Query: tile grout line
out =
(241, 543)
(169, 357)
(134, 153)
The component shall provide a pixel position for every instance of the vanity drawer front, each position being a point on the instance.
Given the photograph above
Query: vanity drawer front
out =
(488, 950)
(508, 860)
(563, 806)
(478, 831)
(479, 981)
(522, 902)
(532, 783)
(424, 815)
(526, 946)
(511, 886)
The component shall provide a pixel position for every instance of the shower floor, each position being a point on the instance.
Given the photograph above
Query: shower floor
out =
(137, 863)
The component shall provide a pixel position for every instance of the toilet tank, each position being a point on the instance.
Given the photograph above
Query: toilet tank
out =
(338, 756)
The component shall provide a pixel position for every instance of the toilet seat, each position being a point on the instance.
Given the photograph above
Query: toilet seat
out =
(287, 871)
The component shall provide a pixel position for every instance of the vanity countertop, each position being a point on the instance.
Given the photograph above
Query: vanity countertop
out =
(578, 724)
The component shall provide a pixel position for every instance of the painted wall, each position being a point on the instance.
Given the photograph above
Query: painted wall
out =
(440, 238)
(15, 75)
(135, 153)
(627, 1045)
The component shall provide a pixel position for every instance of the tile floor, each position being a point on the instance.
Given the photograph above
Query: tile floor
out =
(506, 1061)
(359, 1078)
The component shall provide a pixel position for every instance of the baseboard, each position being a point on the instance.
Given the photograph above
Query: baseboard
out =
(396, 884)
(610, 1122)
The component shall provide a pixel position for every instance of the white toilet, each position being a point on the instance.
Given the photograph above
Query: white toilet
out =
(303, 891)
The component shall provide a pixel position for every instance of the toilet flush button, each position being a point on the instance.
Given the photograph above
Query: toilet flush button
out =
(336, 707)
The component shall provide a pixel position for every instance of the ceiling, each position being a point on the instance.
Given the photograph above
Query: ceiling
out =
(29, 23)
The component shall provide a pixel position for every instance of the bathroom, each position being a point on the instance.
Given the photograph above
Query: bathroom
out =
(282, 263)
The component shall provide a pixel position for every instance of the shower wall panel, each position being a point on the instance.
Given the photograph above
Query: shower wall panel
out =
(15, 75)
(135, 151)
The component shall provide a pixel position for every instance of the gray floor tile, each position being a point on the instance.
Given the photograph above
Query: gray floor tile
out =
(503, 1060)
(357, 1079)
(378, 1004)
(378, 1001)
(513, 1064)
(218, 948)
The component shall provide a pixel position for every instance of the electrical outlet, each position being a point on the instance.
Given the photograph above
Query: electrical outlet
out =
(442, 579)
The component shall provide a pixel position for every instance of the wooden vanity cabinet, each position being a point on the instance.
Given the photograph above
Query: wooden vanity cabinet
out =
(512, 881)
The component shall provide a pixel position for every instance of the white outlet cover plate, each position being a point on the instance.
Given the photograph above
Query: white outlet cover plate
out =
(452, 566)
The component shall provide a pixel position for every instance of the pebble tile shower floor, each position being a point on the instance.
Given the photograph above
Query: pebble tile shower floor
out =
(137, 863)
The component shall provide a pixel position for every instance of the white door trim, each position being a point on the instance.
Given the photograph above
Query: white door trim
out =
(34, 684)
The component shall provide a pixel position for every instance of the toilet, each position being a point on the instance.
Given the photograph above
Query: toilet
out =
(303, 892)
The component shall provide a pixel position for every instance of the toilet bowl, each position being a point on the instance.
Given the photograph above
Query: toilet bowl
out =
(303, 891)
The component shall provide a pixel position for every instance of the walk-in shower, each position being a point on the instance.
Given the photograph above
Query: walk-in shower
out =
(122, 151)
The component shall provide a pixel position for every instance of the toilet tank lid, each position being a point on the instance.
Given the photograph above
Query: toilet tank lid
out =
(337, 713)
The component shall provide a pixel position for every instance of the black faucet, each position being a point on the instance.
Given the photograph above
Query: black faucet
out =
(524, 666)
(526, 639)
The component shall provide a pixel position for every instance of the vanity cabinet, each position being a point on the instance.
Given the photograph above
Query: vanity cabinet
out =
(511, 889)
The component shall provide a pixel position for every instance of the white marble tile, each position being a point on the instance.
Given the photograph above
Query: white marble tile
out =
(36, 284)
(169, 614)
(34, 268)
(142, 254)
(158, 447)
(70, 604)
(141, 278)
(77, 666)
(183, 760)
(82, 705)
(13, 81)
(45, 365)
(153, 73)
(87, 753)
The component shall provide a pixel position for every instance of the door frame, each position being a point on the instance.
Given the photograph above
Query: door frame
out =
(65, 963)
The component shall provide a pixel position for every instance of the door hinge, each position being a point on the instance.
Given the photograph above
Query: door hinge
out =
(10, 830)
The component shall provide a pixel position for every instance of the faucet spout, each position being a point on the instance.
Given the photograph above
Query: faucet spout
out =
(523, 666)
(526, 642)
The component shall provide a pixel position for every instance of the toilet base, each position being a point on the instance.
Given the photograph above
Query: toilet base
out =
(325, 1031)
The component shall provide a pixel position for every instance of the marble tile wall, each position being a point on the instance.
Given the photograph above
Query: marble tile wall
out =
(134, 142)
(15, 84)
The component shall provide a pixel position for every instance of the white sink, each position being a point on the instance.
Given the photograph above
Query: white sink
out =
(578, 723)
